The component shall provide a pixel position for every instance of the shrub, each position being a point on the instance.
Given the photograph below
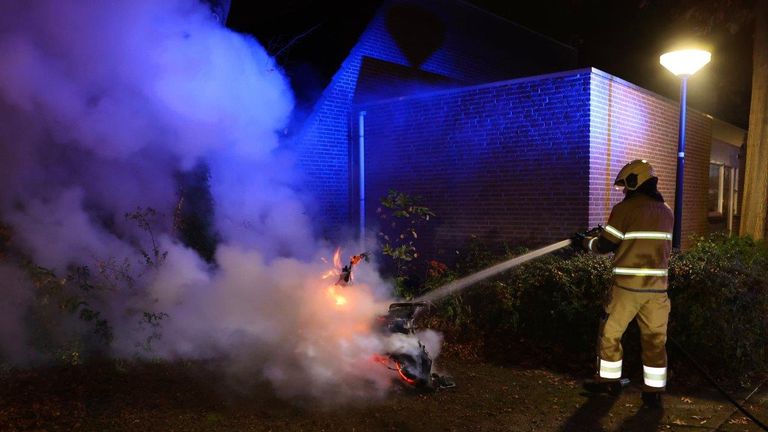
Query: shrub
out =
(64, 316)
(454, 313)
(719, 291)
(63, 323)
(561, 299)
(554, 301)
(402, 217)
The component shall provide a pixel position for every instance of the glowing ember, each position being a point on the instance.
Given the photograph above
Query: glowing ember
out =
(344, 273)
(338, 298)
(402, 375)
(394, 365)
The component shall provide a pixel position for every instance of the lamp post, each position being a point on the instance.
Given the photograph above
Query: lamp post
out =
(682, 63)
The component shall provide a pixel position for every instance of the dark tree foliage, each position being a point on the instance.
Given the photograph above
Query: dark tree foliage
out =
(193, 218)
(709, 17)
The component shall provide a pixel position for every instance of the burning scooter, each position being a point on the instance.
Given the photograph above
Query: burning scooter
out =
(406, 354)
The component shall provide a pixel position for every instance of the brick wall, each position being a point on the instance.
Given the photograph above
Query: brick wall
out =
(629, 122)
(505, 161)
(472, 47)
(528, 161)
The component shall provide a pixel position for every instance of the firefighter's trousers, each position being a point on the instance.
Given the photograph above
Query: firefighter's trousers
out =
(652, 312)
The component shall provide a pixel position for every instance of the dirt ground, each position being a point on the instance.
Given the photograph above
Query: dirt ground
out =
(488, 397)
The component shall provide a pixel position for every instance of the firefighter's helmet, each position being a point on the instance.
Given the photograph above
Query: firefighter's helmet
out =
(634, 174)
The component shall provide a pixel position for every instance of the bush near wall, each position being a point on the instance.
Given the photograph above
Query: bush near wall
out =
(720, 304)
(719, 292)
(552, 303)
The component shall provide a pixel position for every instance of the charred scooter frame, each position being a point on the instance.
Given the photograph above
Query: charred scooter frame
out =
(413, 368)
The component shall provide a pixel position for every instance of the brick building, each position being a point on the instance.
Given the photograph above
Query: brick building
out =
(409, 47)
(492, 126)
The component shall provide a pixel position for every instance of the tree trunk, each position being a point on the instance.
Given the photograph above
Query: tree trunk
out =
(755, 201)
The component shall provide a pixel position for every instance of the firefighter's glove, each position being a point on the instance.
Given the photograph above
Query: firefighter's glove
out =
(580, 240)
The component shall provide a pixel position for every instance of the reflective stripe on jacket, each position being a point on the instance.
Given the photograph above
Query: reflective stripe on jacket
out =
(642, 228)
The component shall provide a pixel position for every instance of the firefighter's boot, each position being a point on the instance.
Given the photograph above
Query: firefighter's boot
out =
(605, 387)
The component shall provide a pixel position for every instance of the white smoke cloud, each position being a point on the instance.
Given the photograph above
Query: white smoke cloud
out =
(58, 232)
(101, 105)
(285, 309)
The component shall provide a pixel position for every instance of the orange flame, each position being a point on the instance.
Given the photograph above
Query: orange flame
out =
(338, 298)
(356, 259)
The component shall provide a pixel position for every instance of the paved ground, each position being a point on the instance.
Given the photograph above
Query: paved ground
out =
(179, 397)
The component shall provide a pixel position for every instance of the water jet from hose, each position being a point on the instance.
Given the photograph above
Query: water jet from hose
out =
(458, 285)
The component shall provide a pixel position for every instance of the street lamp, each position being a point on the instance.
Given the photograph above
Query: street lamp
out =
(682, 63)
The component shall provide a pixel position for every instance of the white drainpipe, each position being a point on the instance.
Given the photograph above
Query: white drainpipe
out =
(361, 150)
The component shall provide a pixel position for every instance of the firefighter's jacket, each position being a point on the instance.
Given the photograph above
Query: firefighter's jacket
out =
(641, 227)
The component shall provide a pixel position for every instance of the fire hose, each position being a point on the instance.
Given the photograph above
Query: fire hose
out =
(460, 284)
(722, 391)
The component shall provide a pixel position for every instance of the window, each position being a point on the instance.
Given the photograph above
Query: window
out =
(723, 192)
(735, 198)
(715, 206)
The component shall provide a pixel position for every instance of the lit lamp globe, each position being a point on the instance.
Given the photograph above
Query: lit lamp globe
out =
(685, 63)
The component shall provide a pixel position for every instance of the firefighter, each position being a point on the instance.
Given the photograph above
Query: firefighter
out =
(639, 233)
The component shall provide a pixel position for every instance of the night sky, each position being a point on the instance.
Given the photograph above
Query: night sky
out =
(621, 37)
